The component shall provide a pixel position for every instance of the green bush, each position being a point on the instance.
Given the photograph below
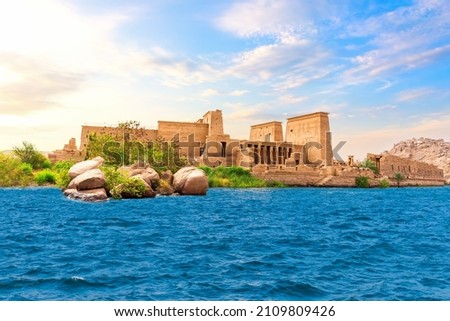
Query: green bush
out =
(45, 176)
(13, 172)
(399, 177)
(47, 164)
(113, 177)
(236, 177)
(384, 183)
(26, 168)
(63, 179)
(362, 181)
(28, 154)
(132, 187)
(367, 163)
(61, 168)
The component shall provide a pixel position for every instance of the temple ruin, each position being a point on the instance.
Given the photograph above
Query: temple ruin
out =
(301, 156)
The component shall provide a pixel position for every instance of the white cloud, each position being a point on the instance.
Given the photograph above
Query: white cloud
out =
(209, 92)
(377, 141)
(238, 93)
(291, 99)
(289, 57)
(406, 38)
(413, 94)
(49, 50)
(289, 21)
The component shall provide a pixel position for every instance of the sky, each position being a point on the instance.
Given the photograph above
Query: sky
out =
(381, 69)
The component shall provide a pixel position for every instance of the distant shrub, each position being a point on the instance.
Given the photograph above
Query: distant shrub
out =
(362, 181)
(384, 183)
(63, 179)
(113, 177)
(13, 172)
(61, 169)
(26, 168)
(63, 165)
(236, 177)
(399, 177)
(367, 163)
(28, 154)
(45, 176)
(275, 184)
(132, 187)
(47, 164)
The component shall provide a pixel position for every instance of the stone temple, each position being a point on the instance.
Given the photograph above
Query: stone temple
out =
(205, 138)
(302, 155)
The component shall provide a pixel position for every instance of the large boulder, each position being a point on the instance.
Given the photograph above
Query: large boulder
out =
(92, 195)
(190, 181)
(90, 179)
(150, 176)
(153, 176)
(82, 167)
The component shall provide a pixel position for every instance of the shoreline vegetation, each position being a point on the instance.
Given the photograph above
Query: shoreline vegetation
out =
(26, 167)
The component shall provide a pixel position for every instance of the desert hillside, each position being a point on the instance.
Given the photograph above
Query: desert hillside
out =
(431, 151)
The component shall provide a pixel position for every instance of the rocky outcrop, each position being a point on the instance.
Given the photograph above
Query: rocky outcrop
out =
(136, 181)
(88, 181)
(81, 167)
(432, 151)
(91, 179)
(190, 181)
(148, 174)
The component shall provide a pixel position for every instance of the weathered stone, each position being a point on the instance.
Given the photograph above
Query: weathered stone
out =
(91, 179)
(153, 174)
(72, 184)
(92, 195)
(190, 181)
(167, 176)
(151, 177)
(130, 171)
(81, 167)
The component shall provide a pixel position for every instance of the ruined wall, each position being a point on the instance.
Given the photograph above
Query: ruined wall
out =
(214, 120)
(143, 135)
(168, 129)
(389, 165)
(69, 152)
(267, 132)
(195, 133)
(312, 130)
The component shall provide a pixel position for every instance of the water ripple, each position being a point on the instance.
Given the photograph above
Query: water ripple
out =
(251, 244)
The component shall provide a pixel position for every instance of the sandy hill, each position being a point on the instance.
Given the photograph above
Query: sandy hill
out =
(431, 151)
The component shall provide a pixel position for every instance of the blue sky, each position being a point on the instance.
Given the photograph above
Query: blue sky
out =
(380, 68)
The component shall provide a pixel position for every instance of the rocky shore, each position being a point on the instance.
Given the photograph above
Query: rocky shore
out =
(432, 151)
(92, 182)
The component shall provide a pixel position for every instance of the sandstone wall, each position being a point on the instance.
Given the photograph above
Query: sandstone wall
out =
(214, 120)
(143, 135)
(427, 150)
(169, 129)
(267, 132)
(69, 152)
(311, 129)
(390, 164)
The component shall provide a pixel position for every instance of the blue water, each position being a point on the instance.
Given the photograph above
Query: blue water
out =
(246, 244)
